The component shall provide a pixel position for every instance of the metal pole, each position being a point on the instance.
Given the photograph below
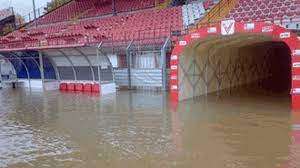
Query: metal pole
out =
(88, 61)
(114, 7)
(25, 66)
(1, 82)
(71, 63)
(108, 60)
(99, 63)
(57, 75)
(34, 12)
(164, 65)
(128, 55)
(42, 69)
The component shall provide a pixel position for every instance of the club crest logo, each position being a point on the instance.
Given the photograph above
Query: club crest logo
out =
(227, 27)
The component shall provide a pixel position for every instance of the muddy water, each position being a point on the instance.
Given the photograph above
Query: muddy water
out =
(140, 129)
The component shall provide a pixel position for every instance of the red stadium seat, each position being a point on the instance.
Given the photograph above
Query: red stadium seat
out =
(269, 10)
(138, 25)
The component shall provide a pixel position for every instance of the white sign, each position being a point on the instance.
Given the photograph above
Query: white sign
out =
(249, 26)
(173, 77)
(296, 77)
(182, 43)
(227, 27)
(296, 90)
(174, 67)
(266, 29)
(195, 35)
(212, 30)
(174, 87)
(296, 64)
(174, 57)
(296, 53)
(285, 35)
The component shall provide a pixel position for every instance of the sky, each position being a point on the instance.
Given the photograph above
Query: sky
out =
(22, 7)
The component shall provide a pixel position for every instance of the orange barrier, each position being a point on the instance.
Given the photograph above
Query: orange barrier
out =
(79, 87)
(87, 87)
(63, 86)
(71, 86)
(96, 88)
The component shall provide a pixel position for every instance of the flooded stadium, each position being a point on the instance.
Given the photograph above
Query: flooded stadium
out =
(141, 129)
(150, 84)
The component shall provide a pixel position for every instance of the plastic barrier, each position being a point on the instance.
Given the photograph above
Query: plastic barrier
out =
(79, 87)
(87, 87)
(71, 87)
(96, 88)
(63, 86)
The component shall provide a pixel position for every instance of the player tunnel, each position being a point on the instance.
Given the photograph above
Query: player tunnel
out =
(229, 63)
(228, 55)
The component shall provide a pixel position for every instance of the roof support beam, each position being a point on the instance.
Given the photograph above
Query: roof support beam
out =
(68, 58)
(26, 68)
(89, 62)
(53, 65)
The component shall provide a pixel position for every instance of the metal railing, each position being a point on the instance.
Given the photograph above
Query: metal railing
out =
(40, 12)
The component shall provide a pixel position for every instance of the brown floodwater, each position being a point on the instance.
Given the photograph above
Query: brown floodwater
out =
(141, 129)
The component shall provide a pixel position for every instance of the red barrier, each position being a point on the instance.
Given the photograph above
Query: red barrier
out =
(71, 87)
(96, 88)
(63, 86)
(79, 87)
(87, 87)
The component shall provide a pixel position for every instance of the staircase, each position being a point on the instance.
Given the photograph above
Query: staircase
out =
(163, 5)
(218, 12)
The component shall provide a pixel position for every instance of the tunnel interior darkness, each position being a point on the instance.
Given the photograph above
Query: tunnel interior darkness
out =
(227, 63)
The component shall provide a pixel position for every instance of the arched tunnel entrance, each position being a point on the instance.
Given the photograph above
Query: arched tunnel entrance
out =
(229, 54)
(220, 63)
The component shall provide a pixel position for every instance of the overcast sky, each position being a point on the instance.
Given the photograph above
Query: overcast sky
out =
(22, 6)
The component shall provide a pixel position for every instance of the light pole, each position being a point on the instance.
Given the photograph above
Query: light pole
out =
(34, 12)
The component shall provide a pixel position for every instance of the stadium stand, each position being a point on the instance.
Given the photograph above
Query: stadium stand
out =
(195, 10)
(7, 21)
(58, 28)
(5, 13)
(148, 24)
(93, 8)
(283, 12)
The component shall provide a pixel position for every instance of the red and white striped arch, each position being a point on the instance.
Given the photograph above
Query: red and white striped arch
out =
(230, 27)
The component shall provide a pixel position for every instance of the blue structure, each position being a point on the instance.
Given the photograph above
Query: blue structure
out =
(29, 60)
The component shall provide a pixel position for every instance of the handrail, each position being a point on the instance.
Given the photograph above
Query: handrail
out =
(164, 4)
(223, 7)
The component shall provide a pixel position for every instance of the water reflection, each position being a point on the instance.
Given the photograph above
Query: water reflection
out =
(141, 129)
